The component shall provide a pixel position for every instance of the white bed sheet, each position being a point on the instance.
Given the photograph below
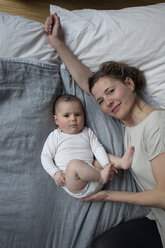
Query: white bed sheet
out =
(24, 38)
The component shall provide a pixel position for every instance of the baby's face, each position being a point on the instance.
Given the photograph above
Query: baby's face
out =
(70, 117)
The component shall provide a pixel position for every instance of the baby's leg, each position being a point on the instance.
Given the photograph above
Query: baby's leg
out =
(79, 173)
(97, 165)
(124, 162)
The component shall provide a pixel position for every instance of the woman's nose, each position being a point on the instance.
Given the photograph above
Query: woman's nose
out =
(108, 101)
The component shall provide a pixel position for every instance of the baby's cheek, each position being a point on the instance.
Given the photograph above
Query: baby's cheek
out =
(64, 124)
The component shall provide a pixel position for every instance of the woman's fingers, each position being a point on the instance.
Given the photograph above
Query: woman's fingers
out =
(53, 29)
(49, 24)
(100, 196)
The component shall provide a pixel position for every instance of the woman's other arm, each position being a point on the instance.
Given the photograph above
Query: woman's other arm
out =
(78, 71)
(151, 198)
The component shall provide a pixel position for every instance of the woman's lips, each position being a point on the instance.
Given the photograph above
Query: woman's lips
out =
(116, 108)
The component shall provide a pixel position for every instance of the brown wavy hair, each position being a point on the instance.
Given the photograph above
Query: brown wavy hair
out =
(120, 71)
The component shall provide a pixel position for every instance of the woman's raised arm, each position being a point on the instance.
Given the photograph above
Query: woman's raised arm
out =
(78, 71)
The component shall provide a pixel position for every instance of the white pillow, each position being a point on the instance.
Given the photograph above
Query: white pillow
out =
(132, 35)
(24, 38)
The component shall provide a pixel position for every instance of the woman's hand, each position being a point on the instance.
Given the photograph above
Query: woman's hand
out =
(54, 30)
(100, 196)
(78, 71)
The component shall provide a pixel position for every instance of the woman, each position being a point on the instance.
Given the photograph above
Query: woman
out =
(116, 88)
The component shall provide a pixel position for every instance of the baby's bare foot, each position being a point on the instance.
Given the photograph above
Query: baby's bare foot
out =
(126, 160)
(105, 174)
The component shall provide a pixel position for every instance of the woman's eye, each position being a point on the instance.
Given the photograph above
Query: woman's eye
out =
(100, 102)
(111, 91)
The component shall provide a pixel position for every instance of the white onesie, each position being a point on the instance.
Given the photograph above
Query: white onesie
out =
(60, 148)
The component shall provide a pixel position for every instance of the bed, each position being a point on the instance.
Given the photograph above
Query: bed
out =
(34, 212)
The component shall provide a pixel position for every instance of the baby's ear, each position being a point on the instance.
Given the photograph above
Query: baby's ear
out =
(55, 119)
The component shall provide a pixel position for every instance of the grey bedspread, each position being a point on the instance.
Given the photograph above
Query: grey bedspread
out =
(34, 212)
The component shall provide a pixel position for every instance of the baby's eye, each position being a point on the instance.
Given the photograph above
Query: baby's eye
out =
(77, 114)
(66, 115)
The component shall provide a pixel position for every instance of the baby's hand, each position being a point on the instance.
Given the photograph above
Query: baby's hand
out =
(59, 178)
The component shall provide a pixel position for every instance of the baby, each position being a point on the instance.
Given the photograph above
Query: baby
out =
(68, 152)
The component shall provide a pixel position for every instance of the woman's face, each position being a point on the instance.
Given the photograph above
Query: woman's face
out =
(114, 97)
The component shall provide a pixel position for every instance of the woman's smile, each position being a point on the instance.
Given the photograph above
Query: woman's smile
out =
(116, 108)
